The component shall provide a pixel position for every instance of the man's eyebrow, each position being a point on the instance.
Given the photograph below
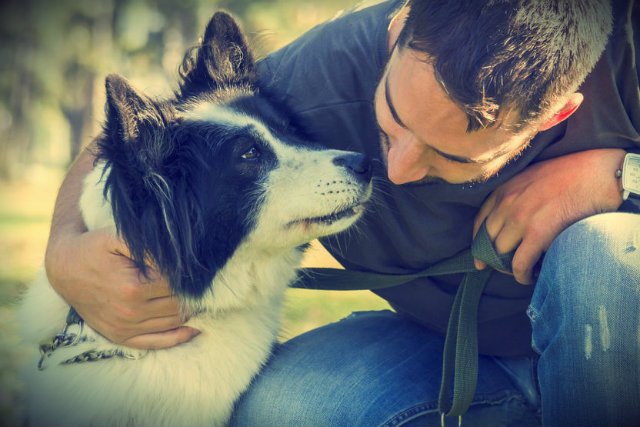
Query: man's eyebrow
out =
(387, 97)
(394, 114)
(458, 159)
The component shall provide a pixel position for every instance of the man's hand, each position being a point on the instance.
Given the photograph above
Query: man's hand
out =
(529, 211)
(93, 273)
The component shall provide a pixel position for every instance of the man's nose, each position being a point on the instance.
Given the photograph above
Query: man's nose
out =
(404, 162)
(398, 175)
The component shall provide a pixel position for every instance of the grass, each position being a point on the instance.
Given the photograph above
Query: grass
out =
(25, 211)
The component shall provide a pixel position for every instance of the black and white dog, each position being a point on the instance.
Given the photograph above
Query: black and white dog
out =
(215, 189)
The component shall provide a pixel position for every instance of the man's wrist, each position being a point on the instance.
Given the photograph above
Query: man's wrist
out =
(613, 182)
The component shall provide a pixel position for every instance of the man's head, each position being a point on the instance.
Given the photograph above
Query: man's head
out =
(469, 83)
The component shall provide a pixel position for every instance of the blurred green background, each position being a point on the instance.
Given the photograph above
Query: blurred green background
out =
(54, 56)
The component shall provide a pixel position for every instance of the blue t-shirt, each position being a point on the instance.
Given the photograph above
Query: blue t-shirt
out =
(328, 77)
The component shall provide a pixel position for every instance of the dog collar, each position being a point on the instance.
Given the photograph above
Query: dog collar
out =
(72, 335)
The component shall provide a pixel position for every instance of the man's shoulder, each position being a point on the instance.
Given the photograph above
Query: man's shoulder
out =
(364, 4)
(340, 58)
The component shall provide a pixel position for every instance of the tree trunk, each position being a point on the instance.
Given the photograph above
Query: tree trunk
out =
(79, 111)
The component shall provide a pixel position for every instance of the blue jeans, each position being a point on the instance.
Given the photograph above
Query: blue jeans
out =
(381, 369)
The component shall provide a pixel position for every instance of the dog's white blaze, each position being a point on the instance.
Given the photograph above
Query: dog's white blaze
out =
(306, 184)
(214, 113)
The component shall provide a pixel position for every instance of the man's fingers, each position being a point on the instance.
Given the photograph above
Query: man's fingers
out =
(508, 239)
(124, 332)
(483, 213)
(138, 288)
(162, 307)
(511, 238)
(479, 264)
(524, 261)
(158, 324)
(505, 239)
(155, 286)
(121, 331)
(527, 261)
(160, 340)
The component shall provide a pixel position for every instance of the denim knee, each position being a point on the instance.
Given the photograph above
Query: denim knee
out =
(586, 323)
(592, 264)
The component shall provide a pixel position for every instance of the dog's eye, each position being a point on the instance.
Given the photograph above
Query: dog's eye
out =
(252, 154)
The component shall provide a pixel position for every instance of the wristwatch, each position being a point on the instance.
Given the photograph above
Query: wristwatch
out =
(630, 174)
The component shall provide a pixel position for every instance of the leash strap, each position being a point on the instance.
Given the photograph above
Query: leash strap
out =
(460, 357)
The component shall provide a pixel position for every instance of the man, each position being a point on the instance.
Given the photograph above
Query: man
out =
(474, 111)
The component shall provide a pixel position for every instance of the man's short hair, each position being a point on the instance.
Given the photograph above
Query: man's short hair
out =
(495, 56)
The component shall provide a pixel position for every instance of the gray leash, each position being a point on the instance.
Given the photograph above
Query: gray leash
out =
(460, 357)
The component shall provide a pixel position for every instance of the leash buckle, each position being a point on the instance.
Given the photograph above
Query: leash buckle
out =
(443, 422)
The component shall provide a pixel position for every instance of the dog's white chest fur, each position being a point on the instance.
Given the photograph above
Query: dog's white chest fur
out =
(193, 384)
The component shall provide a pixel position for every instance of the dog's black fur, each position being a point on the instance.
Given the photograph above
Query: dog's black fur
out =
(153, 157)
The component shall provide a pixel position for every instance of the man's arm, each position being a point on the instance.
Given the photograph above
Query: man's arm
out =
(529, 211)
(91, 271)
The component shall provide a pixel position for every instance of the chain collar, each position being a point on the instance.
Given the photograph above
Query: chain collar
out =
(72, 335)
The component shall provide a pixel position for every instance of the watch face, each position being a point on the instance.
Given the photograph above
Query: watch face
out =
(631, 173)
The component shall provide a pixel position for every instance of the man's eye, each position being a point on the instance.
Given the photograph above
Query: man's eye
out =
(251, 154)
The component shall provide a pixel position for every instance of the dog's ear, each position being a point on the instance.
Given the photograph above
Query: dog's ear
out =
(137, 148)
(223, 59)
(128, 112)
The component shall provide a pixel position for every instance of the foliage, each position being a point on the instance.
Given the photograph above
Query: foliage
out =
(54, 57)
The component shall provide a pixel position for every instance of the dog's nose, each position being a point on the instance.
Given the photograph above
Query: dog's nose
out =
(357, 163)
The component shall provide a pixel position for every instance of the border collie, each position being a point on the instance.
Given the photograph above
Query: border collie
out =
(216, 190)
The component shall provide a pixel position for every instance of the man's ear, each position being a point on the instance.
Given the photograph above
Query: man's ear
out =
(570, 106)
(222, 60)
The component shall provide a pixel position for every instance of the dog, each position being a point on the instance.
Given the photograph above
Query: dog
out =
(217, 190)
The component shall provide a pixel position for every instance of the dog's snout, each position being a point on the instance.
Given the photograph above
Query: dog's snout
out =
(358, 164)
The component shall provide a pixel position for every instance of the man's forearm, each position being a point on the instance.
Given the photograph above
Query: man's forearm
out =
(66, 215)
(90, 270)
